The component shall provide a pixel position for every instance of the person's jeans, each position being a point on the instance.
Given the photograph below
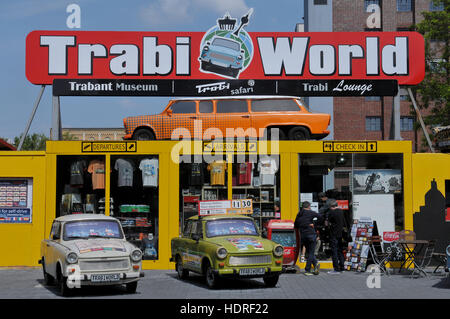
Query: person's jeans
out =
(310, 243)
(336, 253)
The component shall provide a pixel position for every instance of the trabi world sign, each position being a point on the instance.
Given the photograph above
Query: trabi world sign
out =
(226, 51)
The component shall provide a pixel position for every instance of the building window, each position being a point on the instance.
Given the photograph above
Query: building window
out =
(372, 98)
(406, 123)
(436, 7)
(404, 5)
(369, 2)
(373, 123)
(320, 2)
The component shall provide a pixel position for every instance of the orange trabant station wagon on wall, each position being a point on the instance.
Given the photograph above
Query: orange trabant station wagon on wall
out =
(222, 117)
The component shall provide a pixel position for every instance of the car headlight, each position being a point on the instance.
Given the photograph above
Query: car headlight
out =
(221, 253)
(278, 251)
(72, 258)
(136, 255)
(206, 48)
(239, 57)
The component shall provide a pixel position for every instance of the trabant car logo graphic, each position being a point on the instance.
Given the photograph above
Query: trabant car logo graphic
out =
(226, 50)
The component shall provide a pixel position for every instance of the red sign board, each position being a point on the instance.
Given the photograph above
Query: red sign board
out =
(217, 55)
(391, 236)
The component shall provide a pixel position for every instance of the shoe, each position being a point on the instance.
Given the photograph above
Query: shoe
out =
(308, 273)
(317, 269)
(334, 272)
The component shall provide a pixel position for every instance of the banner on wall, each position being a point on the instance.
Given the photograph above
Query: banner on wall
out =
(377, 181)
(16, 200)
(226, 51)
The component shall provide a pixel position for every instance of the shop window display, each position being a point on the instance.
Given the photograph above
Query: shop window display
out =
(255, 178)
(135, 194)
(364, 185)
(80, 186)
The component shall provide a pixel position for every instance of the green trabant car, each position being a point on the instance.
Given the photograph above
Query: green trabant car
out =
(226, 246)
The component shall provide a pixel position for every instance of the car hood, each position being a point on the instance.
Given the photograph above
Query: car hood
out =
(244, 244)
(98, 247)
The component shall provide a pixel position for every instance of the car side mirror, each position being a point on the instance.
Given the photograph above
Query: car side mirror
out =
(169, 112)
(195, 237)
(55, 237)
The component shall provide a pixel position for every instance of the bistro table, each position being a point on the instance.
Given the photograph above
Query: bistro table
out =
(412, 248)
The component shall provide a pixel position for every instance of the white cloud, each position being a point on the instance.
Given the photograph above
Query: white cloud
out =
(181, 12)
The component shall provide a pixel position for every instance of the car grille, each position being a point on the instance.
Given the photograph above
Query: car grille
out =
(221, 57)
(94, 265)
(249, 260)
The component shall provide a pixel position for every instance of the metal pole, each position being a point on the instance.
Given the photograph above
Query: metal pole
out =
(27, 128)
(56, 133)
(420, 120)
(395, 118)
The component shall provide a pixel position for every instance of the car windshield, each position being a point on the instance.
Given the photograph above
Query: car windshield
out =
(92, 229)
(226, 43)
(236, 226)
(285, 238)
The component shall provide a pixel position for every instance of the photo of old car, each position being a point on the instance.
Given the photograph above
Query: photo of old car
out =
(222, 56)
(229, 117)
(224, 246)
(89, 250)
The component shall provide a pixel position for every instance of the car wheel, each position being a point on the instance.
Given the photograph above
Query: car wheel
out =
(131, 287)
(48, 279)
(298, 133)
(274, 132)
(182, 273)
(211, 278)
(143, 134)
(63, 288)
(271, 281)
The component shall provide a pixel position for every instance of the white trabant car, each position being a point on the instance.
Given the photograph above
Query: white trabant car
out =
(88, 249)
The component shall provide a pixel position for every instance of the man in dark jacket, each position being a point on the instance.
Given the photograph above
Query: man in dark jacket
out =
(304, 222)
(336, 222)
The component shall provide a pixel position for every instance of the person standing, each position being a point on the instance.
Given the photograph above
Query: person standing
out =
(304, 222)
(336, 222)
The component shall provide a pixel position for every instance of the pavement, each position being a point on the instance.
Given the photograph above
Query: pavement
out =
(27, 283)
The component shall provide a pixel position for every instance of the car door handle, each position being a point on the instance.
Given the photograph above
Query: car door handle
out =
(193, 117)
(246, 116)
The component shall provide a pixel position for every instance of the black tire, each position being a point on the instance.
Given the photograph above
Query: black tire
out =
(64, 290)
(298, 133)
(143, 134)
(182, 273)
(48, 279)
(272, 131)
(271, 281)
(131, 287)
(211, 278)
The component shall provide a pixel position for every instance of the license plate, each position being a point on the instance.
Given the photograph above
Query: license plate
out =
(105, 278)
(252, 271)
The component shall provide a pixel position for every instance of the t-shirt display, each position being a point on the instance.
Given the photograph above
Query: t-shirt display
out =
(267, 167)
(217, 170)
(245, 173)
(149, 168)
(97, 169)
(196, 174)
(77, 169)
(125, 169)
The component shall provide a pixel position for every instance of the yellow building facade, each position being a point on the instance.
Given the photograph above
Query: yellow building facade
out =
(167, 197)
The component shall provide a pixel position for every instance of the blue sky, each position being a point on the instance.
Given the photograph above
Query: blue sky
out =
(19, 17)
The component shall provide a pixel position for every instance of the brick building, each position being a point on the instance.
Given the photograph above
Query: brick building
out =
(367, 118)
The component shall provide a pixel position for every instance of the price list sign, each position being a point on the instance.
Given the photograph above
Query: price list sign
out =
(225, 207)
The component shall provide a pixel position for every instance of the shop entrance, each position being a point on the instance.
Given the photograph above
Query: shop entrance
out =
(364, 185)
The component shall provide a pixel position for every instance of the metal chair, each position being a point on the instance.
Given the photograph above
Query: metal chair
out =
(379, 257)
(423, 261)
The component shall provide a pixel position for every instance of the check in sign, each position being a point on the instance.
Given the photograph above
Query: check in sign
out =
(350, 147)
(108, 147)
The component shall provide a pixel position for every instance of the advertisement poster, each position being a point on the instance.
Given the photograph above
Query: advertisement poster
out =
(16, 200)
(377, 181)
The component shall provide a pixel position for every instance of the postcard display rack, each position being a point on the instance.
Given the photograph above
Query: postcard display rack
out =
(358, 250)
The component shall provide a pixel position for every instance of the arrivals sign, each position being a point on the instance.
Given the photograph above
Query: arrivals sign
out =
(225, 52)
